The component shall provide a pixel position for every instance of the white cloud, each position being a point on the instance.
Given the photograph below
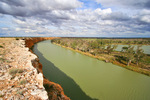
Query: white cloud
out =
(4, 28)
(61, 18)
(103, 12)
(143, 17)
(146, 18)
(36, 7)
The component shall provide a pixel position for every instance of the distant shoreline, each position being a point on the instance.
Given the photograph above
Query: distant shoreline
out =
(112, 58)
(76, 37)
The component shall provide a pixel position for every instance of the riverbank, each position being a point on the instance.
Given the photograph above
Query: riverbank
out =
(19, 79)
(111, 59)
(55, 91)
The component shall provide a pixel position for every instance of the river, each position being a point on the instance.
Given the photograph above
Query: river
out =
(86, 78)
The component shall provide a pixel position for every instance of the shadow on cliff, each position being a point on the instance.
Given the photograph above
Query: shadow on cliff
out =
(52, 73)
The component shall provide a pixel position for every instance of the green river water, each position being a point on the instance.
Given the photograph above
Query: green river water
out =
(86, 78)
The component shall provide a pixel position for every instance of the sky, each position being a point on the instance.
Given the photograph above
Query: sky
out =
(75, 18)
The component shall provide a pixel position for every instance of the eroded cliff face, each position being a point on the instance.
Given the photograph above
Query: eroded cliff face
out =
(31, 41)
(54, 90)
(19, 80)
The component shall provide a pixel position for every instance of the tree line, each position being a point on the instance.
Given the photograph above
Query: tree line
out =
(98, 47)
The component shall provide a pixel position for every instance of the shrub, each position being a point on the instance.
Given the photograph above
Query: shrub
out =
(1, 46)
(20, 71)
(22, 82)
(17, 38)
(14, 71)
(2, 59)
(1, 95)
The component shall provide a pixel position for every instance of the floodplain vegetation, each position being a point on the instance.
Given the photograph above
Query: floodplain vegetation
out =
(105, 49)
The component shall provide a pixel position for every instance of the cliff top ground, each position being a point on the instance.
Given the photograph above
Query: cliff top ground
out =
(18, 78)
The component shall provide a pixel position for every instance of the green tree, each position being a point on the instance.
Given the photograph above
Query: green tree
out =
(129, 53)
(124, 49)
(110, 48)
(139, 54)
(94, 44)
(74, 44)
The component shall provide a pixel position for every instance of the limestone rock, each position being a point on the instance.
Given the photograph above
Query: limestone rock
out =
(24, 82)
(39, 79)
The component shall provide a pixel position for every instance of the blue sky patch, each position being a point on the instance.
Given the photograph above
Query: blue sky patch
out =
(90, 4)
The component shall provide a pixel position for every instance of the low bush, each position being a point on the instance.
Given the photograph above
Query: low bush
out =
(2, 59)
(14, 71)
(1, 95)
(1, 46)
(22, 82)
(17, 38)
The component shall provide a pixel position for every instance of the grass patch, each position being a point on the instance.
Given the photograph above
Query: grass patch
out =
(22, 82)
(14, 71)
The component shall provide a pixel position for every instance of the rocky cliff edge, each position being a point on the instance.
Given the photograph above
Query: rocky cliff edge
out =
(54, 90)
(21, 76)
(19, 80)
